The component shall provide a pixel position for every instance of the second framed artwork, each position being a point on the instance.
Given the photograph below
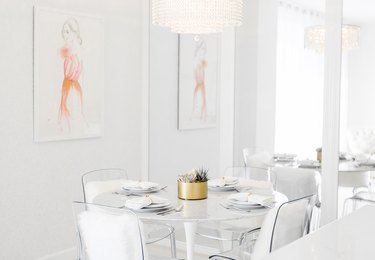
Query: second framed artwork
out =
(198, 81)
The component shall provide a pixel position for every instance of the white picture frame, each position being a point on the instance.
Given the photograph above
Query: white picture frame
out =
(198, 81)
(68, 75)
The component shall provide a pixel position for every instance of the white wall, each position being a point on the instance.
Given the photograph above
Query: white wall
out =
(39, 180)
(171, 151)
(361, 81)
(256, 77)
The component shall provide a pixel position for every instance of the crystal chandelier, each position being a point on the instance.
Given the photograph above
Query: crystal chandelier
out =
(197, 16)
(315, 37)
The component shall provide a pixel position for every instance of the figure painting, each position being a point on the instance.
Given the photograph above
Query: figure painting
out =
(198, 73)
(68, 75)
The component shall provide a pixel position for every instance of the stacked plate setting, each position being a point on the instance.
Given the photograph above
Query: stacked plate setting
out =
(140, 187)
(284, 157)
(148, 204)
(223, 184)
(367, 163)
(309, 164)
(249, 201)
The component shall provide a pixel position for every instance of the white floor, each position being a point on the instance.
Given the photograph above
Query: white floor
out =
(203, 247)
(161, 250)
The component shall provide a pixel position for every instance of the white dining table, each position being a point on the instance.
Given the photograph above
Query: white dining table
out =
(193, 212)
(349, 238)
(351, 173)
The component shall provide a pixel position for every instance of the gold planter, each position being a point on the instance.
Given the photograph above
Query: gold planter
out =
(192, 191)
(319, 154)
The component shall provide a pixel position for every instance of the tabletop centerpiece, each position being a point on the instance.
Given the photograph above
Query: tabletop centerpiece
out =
(193, 184)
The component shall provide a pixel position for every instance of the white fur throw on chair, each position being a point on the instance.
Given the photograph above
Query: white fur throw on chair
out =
(106, 236)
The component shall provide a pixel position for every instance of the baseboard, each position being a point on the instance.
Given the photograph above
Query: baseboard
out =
(66, 254)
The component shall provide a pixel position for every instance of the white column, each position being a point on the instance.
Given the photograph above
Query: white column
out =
(331, 119)
(145, 86)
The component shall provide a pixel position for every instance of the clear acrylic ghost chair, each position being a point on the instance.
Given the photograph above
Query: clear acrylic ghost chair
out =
(100, 181)
(355, 179)
(110, 180)
(357, 201)
(258, 159)
(231, 231)
(248, 172)
(296, 183)
(108, 233)
(282, 225)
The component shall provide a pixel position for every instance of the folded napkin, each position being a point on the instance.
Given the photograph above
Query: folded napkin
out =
(144, 201)
(258, 187)
(221, 182)
(253, 198)
(142, 185)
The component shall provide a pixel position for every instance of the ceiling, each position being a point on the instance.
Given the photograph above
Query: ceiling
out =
(355, 11)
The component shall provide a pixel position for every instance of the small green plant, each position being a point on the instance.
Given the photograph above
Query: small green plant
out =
(194, 175)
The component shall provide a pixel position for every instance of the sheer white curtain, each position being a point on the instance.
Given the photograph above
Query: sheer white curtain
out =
(299, 87)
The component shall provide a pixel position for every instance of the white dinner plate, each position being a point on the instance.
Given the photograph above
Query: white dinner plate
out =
(284, 156)
(242, 203)
(223, 188)
(142, 191)
(152, 210)
(139, 185)
(309, 166)
(368, 164)
(284, 160)
(244, 206)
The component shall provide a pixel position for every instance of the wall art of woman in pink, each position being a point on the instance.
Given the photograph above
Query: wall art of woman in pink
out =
(71, 103)
(199, 75)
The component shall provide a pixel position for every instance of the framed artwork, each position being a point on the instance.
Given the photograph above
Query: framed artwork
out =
(198, 81)
(68, 75)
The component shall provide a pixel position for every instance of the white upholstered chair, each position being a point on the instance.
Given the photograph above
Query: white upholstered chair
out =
(110, 180)
(109, 233)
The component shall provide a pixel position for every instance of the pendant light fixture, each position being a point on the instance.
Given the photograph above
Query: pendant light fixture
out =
(315, 37)
(197, 16)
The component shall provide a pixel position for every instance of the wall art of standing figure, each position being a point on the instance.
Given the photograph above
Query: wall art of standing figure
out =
(68, 75)
(198, 81)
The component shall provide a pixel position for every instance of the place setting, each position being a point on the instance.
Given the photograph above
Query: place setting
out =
(248, 201)
(149, 204)
(130, 187)
(310, 164)
(225, 183)
(284, 157)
